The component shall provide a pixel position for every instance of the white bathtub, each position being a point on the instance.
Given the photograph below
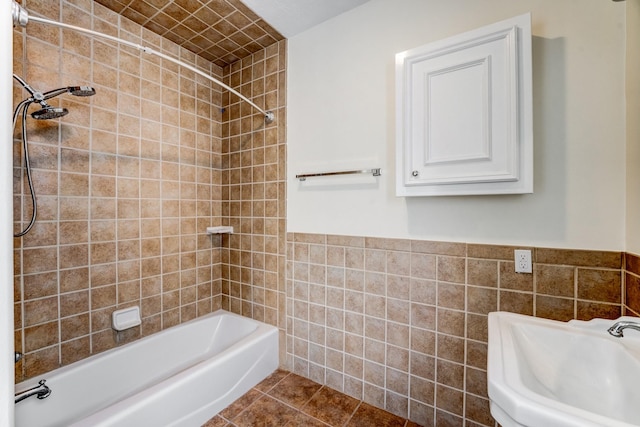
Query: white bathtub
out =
(181, 376)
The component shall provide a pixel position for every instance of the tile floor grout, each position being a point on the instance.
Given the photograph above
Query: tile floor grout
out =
(287, 399)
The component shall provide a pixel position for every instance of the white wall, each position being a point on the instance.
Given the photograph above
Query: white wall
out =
(633, 127)
(6, 218)
(341, 114)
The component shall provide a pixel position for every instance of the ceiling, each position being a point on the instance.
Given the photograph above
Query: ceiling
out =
(224, 31)
(291, 17)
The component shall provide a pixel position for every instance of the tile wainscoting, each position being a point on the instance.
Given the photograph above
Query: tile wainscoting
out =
(402, 324)
(631, 285)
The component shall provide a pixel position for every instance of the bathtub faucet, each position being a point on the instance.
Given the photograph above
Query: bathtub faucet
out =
(41, 391)
(618, 327)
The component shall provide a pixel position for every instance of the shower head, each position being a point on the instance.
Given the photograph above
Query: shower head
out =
(82, 91)
(49, 112)
(73, 90)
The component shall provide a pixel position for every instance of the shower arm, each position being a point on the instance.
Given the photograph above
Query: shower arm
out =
(53, 93)
(21, 17)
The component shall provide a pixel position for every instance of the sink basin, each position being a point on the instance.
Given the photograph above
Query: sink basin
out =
(544, 373)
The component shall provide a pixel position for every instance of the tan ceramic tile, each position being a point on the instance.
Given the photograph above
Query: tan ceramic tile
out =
(477, 327)
(555, 280)
(423, 291)
(375, 306)
(450, 374)
(481, 300)
(266, 411)
(74, 303)
(39, 260)
(73, 351)
(295, 390)
(375, 284)
(476, 354)
(423, 341)
(450, 348)
(586, 310)
(42, 234)
(367, 415)
(40, 311)
(477, 409)
(387, 244)
(451, 296)
(398, 334)
(40, 285)
(579, 258)
(40, 336)
(449, 399)
(451, 269)
(423, 316)
(41, 361)
(353, 366)
(331, 406)
(511, 280)
(494, 252)
(216, 421)
(516, 302)
(103, 296)
(73, 256)
(398, 263)
(397, 311)
(632, 263)
(476, 382)
(375, 260)
(599, 285)
(335, 256)
(346, 241)
(374, 350)
(482, 272)
(451, 322)
(422, 390)
(241, 404)
(555, 308)
(399, 287)
(438, 248)
(632, 292)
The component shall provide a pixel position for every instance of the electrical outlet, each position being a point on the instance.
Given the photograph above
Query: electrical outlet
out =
(523, 261)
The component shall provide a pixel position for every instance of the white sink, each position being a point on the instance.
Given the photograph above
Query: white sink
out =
(544, 373)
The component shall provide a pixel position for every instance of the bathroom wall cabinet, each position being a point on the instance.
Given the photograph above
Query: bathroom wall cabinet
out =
(464, 113)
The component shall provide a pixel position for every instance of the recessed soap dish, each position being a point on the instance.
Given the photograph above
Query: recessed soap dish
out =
(125, 318)
(222, 229)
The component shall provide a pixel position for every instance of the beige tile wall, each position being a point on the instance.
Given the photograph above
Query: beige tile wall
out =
(254, 189)
(402, 324)
(127, 182)
(632, 285)
(130, 178)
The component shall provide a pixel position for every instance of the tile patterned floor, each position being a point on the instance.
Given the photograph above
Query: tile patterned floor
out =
(288, 400)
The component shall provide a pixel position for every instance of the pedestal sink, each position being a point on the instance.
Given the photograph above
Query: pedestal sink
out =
(544, 373)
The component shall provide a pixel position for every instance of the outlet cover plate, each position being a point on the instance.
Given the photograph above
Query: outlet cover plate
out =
(523, 261)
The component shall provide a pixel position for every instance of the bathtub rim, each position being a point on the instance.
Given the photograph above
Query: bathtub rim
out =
(30, 382)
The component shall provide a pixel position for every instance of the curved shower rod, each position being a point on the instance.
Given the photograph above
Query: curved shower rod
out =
(21, 18)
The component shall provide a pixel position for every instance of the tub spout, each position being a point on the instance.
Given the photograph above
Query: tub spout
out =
(41, 391)
(618, 327)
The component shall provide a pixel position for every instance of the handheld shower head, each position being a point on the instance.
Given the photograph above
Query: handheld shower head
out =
(48, 112)
(82, 91)
(73, 90)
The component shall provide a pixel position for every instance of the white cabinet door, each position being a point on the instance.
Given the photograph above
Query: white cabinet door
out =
(464, 114)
